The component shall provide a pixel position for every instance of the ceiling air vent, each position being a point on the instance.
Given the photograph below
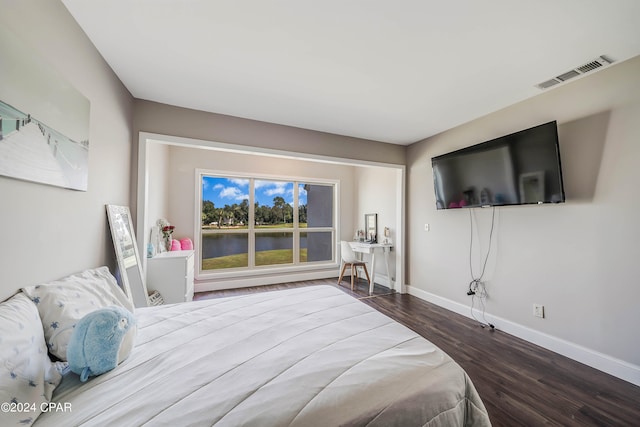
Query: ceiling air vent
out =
(548, 83)
(568, 75)
(597, 63)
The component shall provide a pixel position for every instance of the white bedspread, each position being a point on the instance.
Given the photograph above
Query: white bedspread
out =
(309, 356)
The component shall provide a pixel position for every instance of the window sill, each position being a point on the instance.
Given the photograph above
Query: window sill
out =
(265, 276)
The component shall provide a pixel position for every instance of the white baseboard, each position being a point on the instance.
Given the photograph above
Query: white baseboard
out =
(605, 363)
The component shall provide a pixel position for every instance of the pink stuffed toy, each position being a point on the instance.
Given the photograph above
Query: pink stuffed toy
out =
(175, 245)
(186, 244)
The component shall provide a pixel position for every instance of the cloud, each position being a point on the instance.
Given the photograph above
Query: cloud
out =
(242, 182)
(232, 193)
(259, 183)
(278, 189)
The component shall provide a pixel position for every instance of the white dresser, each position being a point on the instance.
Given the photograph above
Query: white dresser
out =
(171, 274)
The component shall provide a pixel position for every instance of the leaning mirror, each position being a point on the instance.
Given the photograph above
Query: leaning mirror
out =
(128, 260)
(371, 227)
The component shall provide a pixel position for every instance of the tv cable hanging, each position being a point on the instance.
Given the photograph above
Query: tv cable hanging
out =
(476, 286)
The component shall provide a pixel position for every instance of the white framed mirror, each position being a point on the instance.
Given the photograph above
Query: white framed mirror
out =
(371, 227)
(127, 257)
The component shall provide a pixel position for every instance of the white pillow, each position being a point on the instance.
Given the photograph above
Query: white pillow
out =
(64, 302)
(27, 375)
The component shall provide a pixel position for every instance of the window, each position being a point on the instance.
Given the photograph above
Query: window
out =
(255, 223)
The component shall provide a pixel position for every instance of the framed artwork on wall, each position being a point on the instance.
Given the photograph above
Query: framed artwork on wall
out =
(44, 120)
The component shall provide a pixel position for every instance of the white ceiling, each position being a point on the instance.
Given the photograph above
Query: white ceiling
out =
(393, 71)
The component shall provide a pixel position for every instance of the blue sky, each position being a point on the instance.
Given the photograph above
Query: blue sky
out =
(227, 191)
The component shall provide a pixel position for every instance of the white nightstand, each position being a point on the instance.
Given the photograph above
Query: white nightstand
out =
(171, 274)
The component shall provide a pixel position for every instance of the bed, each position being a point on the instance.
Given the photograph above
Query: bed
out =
(310, 356)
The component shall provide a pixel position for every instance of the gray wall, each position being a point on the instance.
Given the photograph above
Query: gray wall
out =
(49, 232)
(175, 121)
(578, 259)
(587, 279)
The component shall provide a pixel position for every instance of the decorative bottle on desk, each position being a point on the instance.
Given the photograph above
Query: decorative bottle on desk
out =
(151, 250)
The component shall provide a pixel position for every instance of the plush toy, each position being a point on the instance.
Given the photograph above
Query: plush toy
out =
(175, 245)
(186, 244)
(100, 341)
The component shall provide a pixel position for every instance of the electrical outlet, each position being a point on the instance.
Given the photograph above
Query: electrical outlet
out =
(426, 227)
(538, 310)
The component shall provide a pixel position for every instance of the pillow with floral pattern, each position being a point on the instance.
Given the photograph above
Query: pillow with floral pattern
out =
(27, 375)
(64, 302)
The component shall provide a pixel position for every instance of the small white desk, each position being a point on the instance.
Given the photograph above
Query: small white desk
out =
(372, 248)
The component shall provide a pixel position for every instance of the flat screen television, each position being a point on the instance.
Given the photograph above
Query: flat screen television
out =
(517, 169)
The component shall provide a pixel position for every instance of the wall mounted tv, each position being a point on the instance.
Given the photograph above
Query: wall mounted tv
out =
(517, 169)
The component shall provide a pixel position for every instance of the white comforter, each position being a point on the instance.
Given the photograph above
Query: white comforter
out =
(309, 356)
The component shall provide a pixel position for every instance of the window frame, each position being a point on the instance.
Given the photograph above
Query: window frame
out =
(251, 230)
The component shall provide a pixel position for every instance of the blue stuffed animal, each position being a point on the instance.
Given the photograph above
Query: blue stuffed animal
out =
(100, 341)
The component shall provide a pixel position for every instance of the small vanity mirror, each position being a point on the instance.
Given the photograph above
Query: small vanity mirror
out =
(371, 227)
(124, 242)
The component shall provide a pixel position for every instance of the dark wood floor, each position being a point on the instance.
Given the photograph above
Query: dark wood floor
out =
(520, 383)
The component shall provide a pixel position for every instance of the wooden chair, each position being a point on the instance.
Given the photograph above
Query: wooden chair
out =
(349, 259)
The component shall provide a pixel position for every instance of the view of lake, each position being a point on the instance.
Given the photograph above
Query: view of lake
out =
(223, 244)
